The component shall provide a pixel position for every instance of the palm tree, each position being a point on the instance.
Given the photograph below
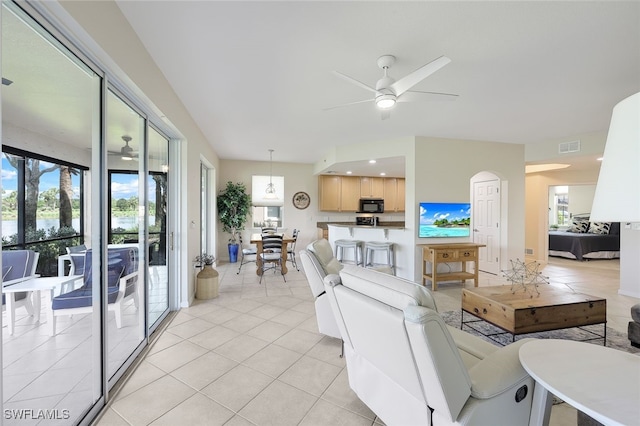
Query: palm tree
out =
(32, 174)
(66, 196)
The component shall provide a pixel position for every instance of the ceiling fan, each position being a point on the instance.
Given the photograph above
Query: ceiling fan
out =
(126, 152)
(389, 91)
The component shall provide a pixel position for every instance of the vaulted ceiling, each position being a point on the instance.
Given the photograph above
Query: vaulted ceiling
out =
(258, 75)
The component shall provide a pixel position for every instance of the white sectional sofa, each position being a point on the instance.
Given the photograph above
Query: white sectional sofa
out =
(410, 368)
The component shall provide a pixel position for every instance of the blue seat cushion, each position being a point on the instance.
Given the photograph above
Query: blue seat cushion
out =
(19, 296)
(80, 298)
(121, 262)
(83, 296)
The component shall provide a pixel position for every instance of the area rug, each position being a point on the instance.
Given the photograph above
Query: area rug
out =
(615, 339)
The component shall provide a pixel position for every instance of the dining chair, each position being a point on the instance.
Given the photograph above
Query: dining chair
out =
(269, 229)
(121, 281)
(291, 249)
(249, 251)
(17, 266)
(271, 255)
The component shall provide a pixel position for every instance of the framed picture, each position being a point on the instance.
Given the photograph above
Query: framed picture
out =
(301, 200)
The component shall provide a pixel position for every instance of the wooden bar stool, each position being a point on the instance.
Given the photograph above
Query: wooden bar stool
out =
(356, 245)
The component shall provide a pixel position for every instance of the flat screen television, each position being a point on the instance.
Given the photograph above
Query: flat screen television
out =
(444, 220)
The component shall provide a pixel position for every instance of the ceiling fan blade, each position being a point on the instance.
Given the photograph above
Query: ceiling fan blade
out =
(408, 81)
(350, 103)
(354, 81)
(416, 96)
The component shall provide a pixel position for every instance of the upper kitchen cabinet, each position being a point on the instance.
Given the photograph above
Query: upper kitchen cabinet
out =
(343, 193)
(371, 187)
(394, 197)
(339, 193)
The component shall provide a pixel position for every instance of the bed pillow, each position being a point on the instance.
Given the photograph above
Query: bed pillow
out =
(579, 226)
(601, 228)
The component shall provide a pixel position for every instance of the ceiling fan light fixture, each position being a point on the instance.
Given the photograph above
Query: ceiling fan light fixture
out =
(386, 101)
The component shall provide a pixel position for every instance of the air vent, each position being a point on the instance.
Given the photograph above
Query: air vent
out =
(567, 147)
(528, 251)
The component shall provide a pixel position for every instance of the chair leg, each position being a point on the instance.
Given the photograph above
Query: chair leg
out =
(282, 272)
(28, 304)
(118, 312)
(241, 263)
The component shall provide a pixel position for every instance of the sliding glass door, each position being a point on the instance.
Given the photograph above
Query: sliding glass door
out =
(51, 329)
(85, 197)
(157, 217)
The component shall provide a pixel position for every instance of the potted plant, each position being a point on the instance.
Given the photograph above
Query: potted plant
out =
(234, 206)
(204, 259)
(207, 279)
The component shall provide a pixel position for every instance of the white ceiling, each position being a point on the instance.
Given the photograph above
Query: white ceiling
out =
(257, 75)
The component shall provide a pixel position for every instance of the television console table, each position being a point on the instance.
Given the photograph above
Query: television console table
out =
(436, 254)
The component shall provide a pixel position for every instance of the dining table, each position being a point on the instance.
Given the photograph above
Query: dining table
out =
(257, 240)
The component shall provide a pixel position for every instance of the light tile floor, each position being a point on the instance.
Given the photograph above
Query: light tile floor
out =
(253, 356)
(40, 370)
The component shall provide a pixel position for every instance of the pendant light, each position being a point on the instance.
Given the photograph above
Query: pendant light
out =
(270, 192)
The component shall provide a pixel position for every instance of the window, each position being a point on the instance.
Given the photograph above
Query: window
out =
(41, 205)
(267, 206)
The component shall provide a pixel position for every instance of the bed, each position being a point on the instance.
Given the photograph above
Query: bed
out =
(586, 245)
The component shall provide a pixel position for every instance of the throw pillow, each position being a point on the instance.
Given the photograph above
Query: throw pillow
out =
(579, 226)
(601, 228)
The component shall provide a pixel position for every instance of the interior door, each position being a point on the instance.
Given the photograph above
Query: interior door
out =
(486, 223)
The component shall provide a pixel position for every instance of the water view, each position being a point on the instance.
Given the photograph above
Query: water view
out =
(10, 227)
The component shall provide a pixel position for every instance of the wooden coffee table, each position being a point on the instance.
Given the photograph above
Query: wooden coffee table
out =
(525, 312)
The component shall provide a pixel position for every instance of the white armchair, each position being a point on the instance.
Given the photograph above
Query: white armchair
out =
(411, 368)
(315, 272)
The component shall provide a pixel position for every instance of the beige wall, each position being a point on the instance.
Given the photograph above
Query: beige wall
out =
(297, 177)
(444, 168)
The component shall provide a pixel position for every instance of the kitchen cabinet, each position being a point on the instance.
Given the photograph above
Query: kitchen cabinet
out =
(339, 193)
(329, 192)
(394, 196)
(343, 193)
(371, 187)
(350, 194)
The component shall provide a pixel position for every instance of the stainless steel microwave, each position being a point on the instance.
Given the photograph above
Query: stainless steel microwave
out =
(371, 205)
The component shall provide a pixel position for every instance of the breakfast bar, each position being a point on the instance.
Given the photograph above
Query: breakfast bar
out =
(384, 232)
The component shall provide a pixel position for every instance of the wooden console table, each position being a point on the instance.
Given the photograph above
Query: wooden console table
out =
(449, 253)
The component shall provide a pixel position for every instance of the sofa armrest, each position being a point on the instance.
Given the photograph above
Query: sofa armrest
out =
(498, 372)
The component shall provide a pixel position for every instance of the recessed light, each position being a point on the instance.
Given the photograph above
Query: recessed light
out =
(372, 161)
(599, 158)
(383, 174)
(349, 172)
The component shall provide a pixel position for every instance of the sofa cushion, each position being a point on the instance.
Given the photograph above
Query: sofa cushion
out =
(322, 249)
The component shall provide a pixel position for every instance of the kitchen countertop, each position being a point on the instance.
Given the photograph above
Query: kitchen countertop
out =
(381, 225)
